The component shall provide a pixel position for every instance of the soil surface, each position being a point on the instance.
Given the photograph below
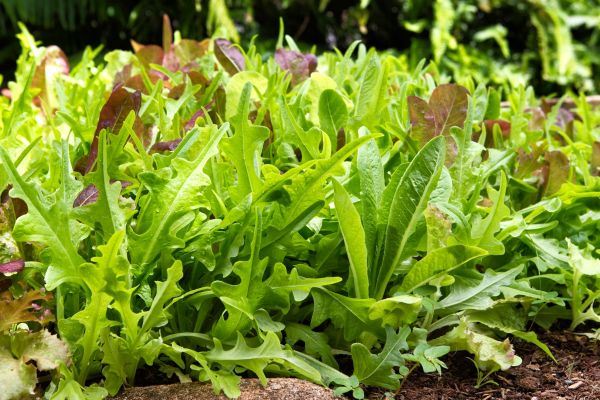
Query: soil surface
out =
(276, 389)
(575, 376)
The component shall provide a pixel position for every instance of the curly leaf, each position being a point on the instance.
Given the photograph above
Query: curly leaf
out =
(490, 354)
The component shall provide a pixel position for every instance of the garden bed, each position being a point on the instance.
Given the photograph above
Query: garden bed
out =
(213, 214)
(574, 375)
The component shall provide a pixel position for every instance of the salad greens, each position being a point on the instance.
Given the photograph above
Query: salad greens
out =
(209, 213)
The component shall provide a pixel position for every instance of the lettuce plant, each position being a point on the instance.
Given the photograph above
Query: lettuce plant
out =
(208, 213)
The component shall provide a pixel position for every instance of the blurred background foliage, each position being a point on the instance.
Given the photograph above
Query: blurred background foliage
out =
(551, 44)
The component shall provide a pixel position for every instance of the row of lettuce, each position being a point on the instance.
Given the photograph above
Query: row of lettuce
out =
(207, 213)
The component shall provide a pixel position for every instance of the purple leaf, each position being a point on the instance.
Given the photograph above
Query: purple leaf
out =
(529, 163)
(229, 56)
(299, 65)
(160, 147)
(198, 114)
(12, 267)
(117, 107)
(112, 115)
(87, 196)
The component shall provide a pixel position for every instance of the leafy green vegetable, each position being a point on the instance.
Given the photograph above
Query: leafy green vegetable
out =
(402, 210)
(205, 212)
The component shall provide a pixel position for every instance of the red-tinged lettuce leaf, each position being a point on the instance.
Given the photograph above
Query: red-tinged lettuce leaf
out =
(12, 267)
(148, 54)
(196, 77)
(23, 309)
(555, 172)
(167, 33)
(595, 165)
(538, 119)
(136, 82)
(188, 50)
(89, 195)
(10, 210)
(170, 61)
(120, 103)
(229, 56)
(171, 56)
(53, 63)
(564, 116)
(447, 107)
(114, 112)
(502, 124)
(422, 119)
(564, 119)
(122, 75)
(489, 130)
(299, 65)
(160, 147)
(177, 91)
(528, 163)
(198, 114)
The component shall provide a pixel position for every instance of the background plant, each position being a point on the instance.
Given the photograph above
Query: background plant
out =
(550, 44)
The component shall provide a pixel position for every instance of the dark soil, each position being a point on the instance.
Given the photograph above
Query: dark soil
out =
(575, 376)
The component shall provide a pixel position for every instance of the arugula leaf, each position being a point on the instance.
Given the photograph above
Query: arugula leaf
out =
(48, 221)
(315, 343)
(380, 370)
(171, 202)
(476, 296)
(245, 146)
(437, 263)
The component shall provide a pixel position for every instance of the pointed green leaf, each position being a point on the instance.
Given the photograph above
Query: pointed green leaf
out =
(354, 238)
(406, 208)
(437, 263)
(332, 113)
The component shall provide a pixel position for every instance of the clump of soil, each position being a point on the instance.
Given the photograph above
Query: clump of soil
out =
(575, 375)
(276, 389)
